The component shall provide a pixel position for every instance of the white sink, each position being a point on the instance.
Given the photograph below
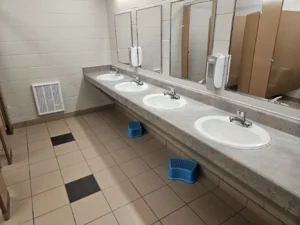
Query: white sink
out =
(110, 77)
(219, 129)
(161, 101)
(131, 87)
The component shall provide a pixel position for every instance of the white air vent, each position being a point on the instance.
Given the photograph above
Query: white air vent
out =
(48, 98)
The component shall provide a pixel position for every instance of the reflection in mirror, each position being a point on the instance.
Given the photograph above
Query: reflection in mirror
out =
(191, 39)
(265, 51)
(149, 37)
(123, 36)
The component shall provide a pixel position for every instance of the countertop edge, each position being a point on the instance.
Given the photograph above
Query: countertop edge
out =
(269, 189)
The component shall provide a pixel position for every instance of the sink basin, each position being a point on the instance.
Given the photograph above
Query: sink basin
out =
(131, 87)
(110, 77)
(219, 129)
(161, 101)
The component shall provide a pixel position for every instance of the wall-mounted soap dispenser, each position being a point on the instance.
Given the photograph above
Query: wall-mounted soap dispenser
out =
(135, 55)
(216, 71)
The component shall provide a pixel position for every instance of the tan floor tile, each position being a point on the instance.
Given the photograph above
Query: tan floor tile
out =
(211, 209)
(158, 157)
(147, 146)
(17, 175)
(41, 155)
(62, 216)
(107, 136)
(18, 162)
(20, 190)
(120, 194)
(208, 183)
(143, 140)
(88, 142)
(90, 208)
(59, 131)
(21, 211)
(16, 141)
(134, 167)
(28, 223)
(236, 220)
(93, 152)
(75, 120)
(49, 201)
(110, 177)
(147, 182)
(37, 137)
(256, 219)
(157, 223)
(162, 171)
(66, 148)
(46, 182)
(80, 134)
(101, 129)
(40, 145)
(188, 192)
(135, 213)
(228, 199)
(70, 159)
(20, 150)
(56, 124)
(115, 144)
(43, 167)
(38, 128)
(163, 201)
(124, 155)
(183, 216)
(75, 172)
(108, 219)
(101, 163)
(20, 131)
(79, 127)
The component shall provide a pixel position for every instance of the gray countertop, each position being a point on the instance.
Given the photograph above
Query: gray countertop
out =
(273, 171)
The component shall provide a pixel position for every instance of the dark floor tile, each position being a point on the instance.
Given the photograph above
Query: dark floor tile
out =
(62, 139)
(82, 188)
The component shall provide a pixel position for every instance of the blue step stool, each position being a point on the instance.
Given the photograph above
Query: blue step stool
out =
(183, 170)
(134, 129)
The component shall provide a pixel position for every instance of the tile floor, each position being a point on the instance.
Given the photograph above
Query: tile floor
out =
(84, 170)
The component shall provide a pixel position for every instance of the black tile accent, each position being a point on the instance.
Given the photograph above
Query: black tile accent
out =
(62, 139)
(82, 188)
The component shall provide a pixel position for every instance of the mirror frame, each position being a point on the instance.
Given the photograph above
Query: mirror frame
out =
(212, 34)
(131, 31)
(161, 34)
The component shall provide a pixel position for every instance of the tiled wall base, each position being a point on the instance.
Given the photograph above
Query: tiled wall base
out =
(58, 116)
(253, 202)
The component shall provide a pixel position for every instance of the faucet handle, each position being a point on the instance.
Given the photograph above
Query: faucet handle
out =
(240, 114)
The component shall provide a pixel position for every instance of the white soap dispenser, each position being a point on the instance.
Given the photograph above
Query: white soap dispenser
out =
(215, 72)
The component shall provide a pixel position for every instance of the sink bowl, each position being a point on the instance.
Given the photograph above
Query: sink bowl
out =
(131, 87)
(161, 101)
(110, 77)
(219, 129)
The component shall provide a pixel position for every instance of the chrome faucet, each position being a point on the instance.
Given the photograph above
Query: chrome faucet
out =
(172, 93)
(240, 119)
(137, 80)
(116, 70)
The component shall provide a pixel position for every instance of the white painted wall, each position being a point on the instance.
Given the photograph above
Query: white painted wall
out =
(50, 40)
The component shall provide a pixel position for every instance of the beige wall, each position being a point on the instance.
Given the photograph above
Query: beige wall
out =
(50, 40)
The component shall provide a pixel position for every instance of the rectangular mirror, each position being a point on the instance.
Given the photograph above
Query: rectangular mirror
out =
(149, 31)
(265, 51)
(191, 38)
(123, 36)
